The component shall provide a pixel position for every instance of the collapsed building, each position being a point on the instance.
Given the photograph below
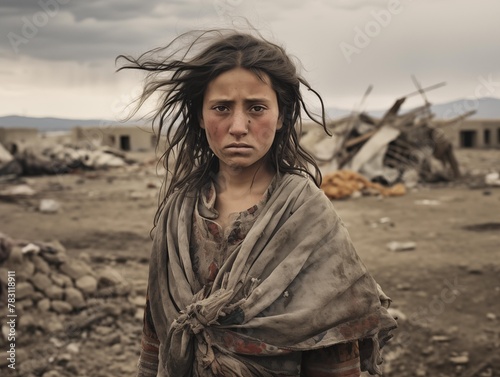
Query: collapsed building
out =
(396, 148)
(40, 158)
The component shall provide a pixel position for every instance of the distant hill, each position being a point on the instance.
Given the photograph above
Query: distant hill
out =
(54, 124)
(487, 108)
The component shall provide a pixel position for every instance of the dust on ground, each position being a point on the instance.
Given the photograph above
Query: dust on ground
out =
(446, 291)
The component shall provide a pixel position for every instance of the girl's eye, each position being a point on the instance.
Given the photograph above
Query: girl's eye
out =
(220, 108)
(258, 108)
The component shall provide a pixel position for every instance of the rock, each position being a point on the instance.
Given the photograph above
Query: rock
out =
(427, 202)
(43, 305)
(49, 206)
(488, 372)
(73, 347)
(5, 331)
(61, 280)
(428, 351)
(25, 270)
(15, 256)
(18, 190)
(54, 292)
(53, 252)
(40, 264)
(111, 309)
(103, 330)
(31, 248)
(422, 294)
(492, 179)
(22, 305)
(63, 358)
(84, 257)
(28, 321)
(122, 357)
(24, 290)
(74, 369)
(52, 247)
(401, 246)
(4, 275)
(108, 276)
(114, 290)
(37, 296)
(87, 284)
(141, 195)
(61, 307)
(491, 316)
(75, 269)
(41, 281)
(75, 298)
(55, 259)
(403, 287)
(22, 355)
(138, 301)
(460, 360)
(5, 247)
(139, 314)
(127, 369)
(440, 339)
(53, 324)
(421, 371)
(56, 342)
(111, 339)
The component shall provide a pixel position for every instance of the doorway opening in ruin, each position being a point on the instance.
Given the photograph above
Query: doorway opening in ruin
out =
(125, 143)
(467, 139)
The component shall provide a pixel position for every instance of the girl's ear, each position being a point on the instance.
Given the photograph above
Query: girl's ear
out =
(279, 125)
(202, 123)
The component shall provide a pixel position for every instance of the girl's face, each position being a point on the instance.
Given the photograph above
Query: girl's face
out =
(240, 117)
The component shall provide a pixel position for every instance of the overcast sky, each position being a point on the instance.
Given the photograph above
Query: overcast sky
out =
(57, 56)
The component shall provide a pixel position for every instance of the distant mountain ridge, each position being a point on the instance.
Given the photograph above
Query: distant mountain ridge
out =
(487, 108)
(56, 124)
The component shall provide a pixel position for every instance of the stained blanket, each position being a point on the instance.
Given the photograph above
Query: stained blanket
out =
(295, 283)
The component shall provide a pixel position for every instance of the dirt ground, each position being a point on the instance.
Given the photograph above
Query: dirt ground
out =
(446, 291)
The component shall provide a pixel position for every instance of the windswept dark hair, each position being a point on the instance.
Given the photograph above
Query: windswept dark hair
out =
(181, 76)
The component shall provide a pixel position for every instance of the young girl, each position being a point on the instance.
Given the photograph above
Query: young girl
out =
(252, 272)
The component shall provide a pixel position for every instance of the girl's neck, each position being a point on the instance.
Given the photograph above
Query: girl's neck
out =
(238, 182)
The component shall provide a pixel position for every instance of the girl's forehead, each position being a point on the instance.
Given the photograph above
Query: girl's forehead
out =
(239, 79)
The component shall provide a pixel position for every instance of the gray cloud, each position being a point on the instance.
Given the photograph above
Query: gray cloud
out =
(357, 4)
(94, 30)
(451, 40)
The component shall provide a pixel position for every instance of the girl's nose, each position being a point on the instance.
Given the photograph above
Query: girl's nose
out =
(239, 124)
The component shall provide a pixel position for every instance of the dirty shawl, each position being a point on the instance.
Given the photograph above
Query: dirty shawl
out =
(295, 283)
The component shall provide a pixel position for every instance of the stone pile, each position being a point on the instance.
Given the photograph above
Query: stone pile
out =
(51, 286)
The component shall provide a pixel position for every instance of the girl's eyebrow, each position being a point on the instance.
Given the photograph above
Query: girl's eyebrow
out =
(229, 102)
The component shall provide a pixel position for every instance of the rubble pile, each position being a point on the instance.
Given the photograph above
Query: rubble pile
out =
(62, 298)
(344, 183)
(409, 147)
(48, 158)
(8, 165)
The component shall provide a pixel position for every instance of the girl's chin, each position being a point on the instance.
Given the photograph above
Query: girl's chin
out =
(241, 165)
